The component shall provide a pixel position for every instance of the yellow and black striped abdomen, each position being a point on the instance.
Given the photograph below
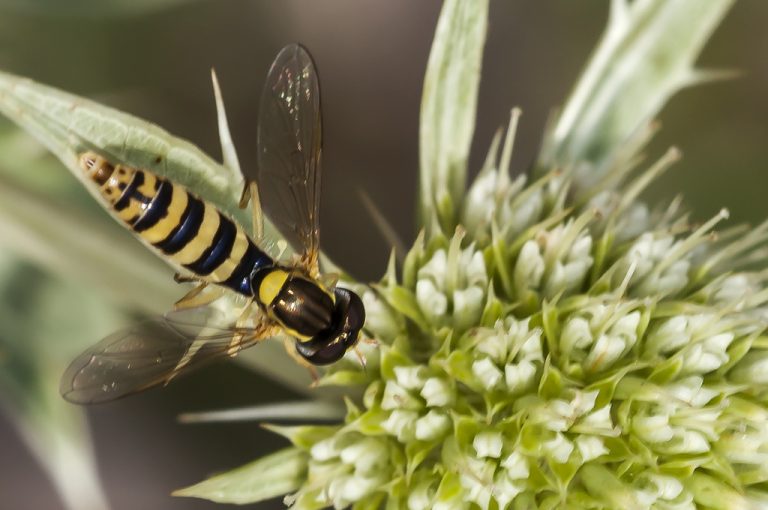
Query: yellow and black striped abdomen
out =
(190, 231)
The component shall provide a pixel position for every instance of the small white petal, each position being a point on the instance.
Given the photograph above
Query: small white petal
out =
(397, 397)
(529, 267)
(519, 376)
(584, 402)
(467, 307)
(494, 345)
(576, 334)
(432, 426)
(599, 419)
(437, 392)
(432, 302)
(435, 268)
(692, 441)
(606, 351)
(559, 448)
(487, 373)
(590, 447)
(410, 378)
(365, 455)
(488, 444)
(516, 466)
(505, 489)
(402, 424)
(531, 349)
(421, 495)
(324, 450)
(475, 271)
(627, 325)
(718, 343)
(654, 429)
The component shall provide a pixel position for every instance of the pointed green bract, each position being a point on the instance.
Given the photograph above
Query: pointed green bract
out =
(449, 102)
(268, 477)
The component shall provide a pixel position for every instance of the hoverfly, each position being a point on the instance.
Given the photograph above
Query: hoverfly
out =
(324, 321)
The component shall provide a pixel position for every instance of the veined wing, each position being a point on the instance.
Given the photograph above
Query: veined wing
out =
(289, 146)
(153, 352)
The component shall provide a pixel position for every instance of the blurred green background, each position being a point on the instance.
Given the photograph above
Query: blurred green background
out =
(152, 58)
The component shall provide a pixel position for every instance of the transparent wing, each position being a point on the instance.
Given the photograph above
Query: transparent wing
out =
(289, 146)
(153, 352)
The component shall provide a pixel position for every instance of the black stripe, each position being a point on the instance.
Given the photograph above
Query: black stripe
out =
(187, 229)
(251, 264)
(125, 198)
(218, 251)
(157, 208)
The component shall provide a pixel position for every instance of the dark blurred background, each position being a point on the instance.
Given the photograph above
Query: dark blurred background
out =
(152, 59)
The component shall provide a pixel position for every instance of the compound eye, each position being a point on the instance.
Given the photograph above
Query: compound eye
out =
(326, 355)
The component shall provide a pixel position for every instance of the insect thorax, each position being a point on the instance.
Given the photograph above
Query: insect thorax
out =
(301, 306)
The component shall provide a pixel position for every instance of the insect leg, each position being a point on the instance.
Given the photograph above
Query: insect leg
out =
(291, 350)
(196, 297)
(240, 325)
(179, 278)
(251, 194)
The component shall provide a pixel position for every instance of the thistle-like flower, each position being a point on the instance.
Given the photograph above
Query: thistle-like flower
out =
(549, 341)
(552, 342)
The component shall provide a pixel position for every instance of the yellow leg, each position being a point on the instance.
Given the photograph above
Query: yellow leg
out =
(196, 297)
(251, 194)
(240, 327)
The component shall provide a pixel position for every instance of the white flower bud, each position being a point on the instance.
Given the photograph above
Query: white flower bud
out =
(529, 267)
(410, 378)
(607, 349)
(487, 373)
(402, 424)
(421, 495)
(397, 397)
(432, 302)
(505, 489)
(590, 447)
(519, 376)
(576, 334)
(559, 448)
(654, 429)
(437, 392)
(324, 450)
(365, 455)
(516, 466)
(432, 426)
(467, 307)
(488, 444)
(378, 317)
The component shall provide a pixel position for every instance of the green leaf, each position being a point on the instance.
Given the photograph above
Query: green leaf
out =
(645, 56)
(69, 125)
(448, 105)
(268, 477)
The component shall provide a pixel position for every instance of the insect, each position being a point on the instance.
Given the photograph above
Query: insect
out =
(322, 321)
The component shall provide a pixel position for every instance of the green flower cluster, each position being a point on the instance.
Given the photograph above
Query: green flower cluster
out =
(560, 350)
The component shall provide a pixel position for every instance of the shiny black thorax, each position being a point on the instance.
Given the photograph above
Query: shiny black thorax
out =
(325, 327)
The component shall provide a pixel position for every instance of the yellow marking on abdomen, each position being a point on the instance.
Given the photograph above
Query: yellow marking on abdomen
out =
(163, 228)
(202, 240)
(227, 267)
(148, 186)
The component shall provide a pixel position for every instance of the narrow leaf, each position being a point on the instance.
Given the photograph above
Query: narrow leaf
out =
(69, 125)
(268, 477)
(448, 105)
